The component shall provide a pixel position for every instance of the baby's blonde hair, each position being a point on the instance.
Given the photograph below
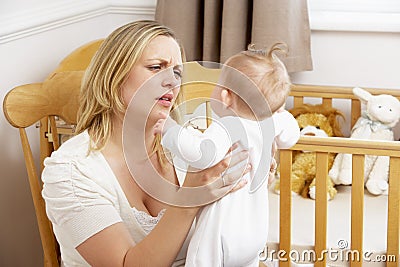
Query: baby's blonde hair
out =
(267, 71)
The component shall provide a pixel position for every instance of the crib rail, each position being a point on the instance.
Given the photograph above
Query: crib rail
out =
(328, 93)
(358, 148)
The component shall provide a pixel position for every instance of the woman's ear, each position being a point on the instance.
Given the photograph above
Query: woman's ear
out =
(226, 97)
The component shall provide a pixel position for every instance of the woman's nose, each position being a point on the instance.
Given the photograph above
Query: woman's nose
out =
(170, 79)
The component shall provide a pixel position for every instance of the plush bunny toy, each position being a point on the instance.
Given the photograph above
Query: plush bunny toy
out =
(381, 114)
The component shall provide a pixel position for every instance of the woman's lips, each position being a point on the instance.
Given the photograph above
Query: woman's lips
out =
(165, 100)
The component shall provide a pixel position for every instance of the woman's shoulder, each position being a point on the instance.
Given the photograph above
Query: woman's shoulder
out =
(76, 146)
(73, 151)
(73, 159)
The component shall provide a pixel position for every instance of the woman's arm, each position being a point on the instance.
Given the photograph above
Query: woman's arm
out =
(113, 246)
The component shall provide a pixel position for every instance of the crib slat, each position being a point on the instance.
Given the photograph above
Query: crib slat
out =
(298, 101)
(394, 211)
(208, 113)
(321, 203)
(285, 200)
(357, 208)
(355, 111)
(327, 102)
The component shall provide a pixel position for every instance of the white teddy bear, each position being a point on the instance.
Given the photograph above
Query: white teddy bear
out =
(381, 114)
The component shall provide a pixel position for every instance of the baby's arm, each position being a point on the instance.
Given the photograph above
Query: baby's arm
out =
(287, 131)
(199, 150)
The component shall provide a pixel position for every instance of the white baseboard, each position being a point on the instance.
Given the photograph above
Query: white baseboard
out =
(29, 22)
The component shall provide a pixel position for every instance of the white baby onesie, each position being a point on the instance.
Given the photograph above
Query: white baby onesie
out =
(232, 230)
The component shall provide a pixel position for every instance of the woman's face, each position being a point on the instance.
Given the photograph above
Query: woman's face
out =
(162, 55)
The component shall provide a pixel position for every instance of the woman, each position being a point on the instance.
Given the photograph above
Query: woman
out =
(100, 215)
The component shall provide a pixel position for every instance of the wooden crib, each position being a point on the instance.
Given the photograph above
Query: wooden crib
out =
(284, 207)
(286, 235)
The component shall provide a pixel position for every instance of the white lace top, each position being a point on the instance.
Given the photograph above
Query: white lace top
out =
(147, 221)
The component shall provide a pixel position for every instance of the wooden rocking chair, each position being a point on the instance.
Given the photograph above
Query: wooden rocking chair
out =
(25, 105)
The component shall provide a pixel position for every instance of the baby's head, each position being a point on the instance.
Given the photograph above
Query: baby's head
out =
(254, 83)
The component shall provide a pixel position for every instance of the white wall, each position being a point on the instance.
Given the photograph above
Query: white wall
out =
(34, 40)
(354, 59)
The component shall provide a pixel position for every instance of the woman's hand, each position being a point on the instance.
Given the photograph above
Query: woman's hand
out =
(159, 126)
(163, 123)
(217, 179)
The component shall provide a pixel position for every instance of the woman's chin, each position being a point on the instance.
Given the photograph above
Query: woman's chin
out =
(157, 108)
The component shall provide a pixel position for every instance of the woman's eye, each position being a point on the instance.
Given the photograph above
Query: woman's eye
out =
(178, 74)
(154, 67)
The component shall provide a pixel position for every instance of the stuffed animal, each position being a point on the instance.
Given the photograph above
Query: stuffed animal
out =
(381, 114)
(314, 120)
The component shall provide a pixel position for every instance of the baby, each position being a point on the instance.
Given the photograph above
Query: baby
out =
(248, 101)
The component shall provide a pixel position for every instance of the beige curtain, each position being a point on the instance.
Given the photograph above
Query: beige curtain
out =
(213, 30)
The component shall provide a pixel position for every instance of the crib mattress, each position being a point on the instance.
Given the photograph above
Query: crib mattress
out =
(338, 228)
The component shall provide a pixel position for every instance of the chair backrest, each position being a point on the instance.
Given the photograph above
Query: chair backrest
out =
(25, 105)
(197, 85)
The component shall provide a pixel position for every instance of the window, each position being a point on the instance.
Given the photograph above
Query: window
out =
(355, 15)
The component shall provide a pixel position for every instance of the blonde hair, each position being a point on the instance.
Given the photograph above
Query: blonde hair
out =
(101, 96)
(267, 71)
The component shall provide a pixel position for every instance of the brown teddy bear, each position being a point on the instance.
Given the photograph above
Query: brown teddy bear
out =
(314, 120)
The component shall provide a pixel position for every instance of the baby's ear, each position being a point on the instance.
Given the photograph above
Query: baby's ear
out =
(226, 97)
